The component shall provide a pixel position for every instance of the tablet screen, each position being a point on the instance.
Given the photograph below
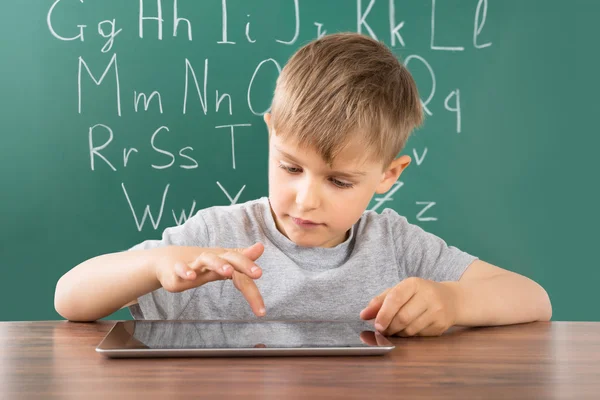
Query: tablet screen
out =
(245, 334)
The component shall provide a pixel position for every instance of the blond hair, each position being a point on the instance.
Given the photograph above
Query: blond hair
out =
(346, 86)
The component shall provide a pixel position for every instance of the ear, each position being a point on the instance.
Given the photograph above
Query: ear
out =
(392, 173)
(267, 118)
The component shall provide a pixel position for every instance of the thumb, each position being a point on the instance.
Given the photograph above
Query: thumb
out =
(371, 310)
(252, 252)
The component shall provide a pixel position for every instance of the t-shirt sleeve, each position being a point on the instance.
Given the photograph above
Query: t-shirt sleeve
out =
(162, 304)
(424, 255)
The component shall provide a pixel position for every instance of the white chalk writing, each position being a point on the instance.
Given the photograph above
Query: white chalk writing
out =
(250, 61)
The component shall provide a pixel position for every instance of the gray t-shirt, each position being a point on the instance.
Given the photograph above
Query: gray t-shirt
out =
(301, 282)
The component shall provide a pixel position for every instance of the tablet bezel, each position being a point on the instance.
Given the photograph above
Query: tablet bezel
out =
(110, 345)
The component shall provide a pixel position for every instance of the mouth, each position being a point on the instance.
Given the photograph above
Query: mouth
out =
(304, 222)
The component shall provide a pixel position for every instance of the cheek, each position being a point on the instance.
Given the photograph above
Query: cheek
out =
(349, 206)
(274, 175)
(277, 188)
(349, 213)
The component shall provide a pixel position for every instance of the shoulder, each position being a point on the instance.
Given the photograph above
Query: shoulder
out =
(389, 224)
(388, 220)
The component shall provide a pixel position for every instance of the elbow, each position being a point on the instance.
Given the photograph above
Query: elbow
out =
(65, 306)
(71, 314)
(60, 301)
(545, 306)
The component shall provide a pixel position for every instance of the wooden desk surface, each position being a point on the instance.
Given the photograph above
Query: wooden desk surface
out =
(540, 360)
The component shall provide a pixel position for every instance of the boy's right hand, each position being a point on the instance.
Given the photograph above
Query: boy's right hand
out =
(214, 264)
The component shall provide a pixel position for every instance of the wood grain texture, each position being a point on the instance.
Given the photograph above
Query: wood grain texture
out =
(57, 359)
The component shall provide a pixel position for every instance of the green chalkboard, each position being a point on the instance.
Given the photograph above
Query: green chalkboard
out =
(502, 168)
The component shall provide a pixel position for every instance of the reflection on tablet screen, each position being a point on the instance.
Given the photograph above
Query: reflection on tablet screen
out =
(241, 334)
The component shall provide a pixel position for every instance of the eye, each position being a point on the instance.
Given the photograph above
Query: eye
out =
(291, 170)
(340, 184)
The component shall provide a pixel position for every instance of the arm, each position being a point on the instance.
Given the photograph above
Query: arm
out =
(101, 285)
(485, 295)
(488, 295)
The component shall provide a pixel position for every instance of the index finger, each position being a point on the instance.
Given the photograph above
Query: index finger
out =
(371, 310)
(395, 299)
(251, 293)
(242, 264)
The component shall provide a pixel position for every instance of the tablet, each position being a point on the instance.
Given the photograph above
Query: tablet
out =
(185, 338)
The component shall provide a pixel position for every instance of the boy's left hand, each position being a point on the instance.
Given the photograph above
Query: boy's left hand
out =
(415, 306)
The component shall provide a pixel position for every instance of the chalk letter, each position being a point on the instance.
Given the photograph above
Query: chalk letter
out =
(224, 8)
(418, 159)
(161, 151)
(220, 99)
(248, 32)
(126, 154)
(388, 196)
(429, 205)
(361, 18)
(112, 60)
(232, 138)
(432, 79)
(177, 20)
(478, 27)
(110, 36)
(320, 33)
(433, 47)
(456, 108)
(184, 217)
(252, 80)
(393, 27)
(94, 150)
(297, 31)
(147, 100)
(234, 200)
(53, 32)
(159, 19)
(147, 210)
(203, 102)
(189, 158)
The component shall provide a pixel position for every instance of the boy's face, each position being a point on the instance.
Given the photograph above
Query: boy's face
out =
(302, 188)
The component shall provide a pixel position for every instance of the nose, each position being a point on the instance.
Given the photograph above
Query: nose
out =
(307, 195)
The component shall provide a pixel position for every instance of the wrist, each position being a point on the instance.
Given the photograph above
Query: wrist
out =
(456, 303)
(158, 258)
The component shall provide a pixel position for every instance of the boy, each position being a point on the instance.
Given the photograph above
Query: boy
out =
(343, 109)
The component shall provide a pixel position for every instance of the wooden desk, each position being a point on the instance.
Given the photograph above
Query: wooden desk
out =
(540, 360)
